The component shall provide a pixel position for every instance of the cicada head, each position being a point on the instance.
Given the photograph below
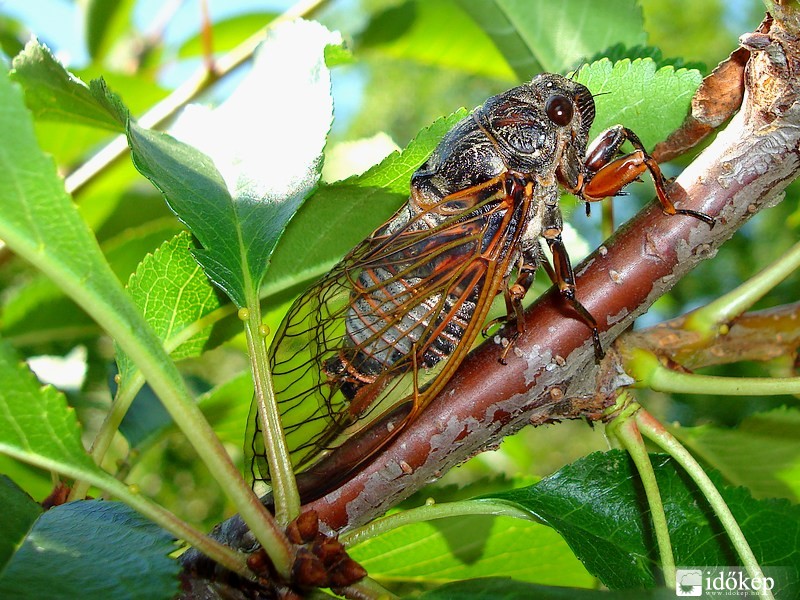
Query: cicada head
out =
(540, 126)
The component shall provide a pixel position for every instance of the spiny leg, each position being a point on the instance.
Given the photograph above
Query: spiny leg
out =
(605, 175)
(562, 274)
(514, 295)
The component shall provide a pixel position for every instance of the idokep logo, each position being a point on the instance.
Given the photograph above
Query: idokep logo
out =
(689, 582)
(710, 582)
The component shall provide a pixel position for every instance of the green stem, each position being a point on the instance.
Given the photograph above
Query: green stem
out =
(128, 390)
(99, 293)
(429, 512)
(115, 313)
(146, 352)
(724, 309)
(654, 431)
(648, 371)
(284, 487)
(625, 429)
(163, 377)
(105, 435)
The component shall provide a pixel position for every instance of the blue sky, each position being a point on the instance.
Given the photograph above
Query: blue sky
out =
(60, 22)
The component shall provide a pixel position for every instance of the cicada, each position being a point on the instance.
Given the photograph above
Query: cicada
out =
(364, 350)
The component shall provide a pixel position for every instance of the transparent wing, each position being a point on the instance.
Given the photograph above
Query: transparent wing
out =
(389, 323)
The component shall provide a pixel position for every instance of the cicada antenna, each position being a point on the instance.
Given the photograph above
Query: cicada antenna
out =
(573, 74)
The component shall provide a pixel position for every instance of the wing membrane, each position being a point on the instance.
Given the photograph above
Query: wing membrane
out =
(388, 322)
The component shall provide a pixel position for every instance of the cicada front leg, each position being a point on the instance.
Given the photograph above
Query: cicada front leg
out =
(605, 174)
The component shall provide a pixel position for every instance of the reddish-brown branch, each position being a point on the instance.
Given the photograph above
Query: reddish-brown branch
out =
(552, 374)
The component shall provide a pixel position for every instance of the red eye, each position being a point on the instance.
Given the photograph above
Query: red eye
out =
(559, 109)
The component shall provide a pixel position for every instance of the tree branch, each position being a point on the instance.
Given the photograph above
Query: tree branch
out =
(551, 375)
(755, 336)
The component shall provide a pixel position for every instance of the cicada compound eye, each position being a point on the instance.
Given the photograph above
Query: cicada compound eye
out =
(559, 109)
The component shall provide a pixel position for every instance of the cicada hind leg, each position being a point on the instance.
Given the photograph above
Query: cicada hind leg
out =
(513, 294)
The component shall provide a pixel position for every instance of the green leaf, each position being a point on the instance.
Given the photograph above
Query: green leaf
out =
(71, 141)
(597, 504)
(144, 419)
(266, 148)
(457, 548)
(52, 93)
(414, 31)
(20, 512)
(774, 437)
(651, 102)
(92, 549)
(106, 22)
(196, 192)
(540, 35)
(141, 90)
(40, 224)
(39, 313)
(336, 55)
(342, 214)
(36, 424)
(36, 482)
(173, 294)
(177, 300)
(126, 250)
(13, 35)
(117, 198)
(620, 52)
(224, 409)
(499, 27)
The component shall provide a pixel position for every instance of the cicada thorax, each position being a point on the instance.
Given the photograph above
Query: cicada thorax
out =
(372, 342)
